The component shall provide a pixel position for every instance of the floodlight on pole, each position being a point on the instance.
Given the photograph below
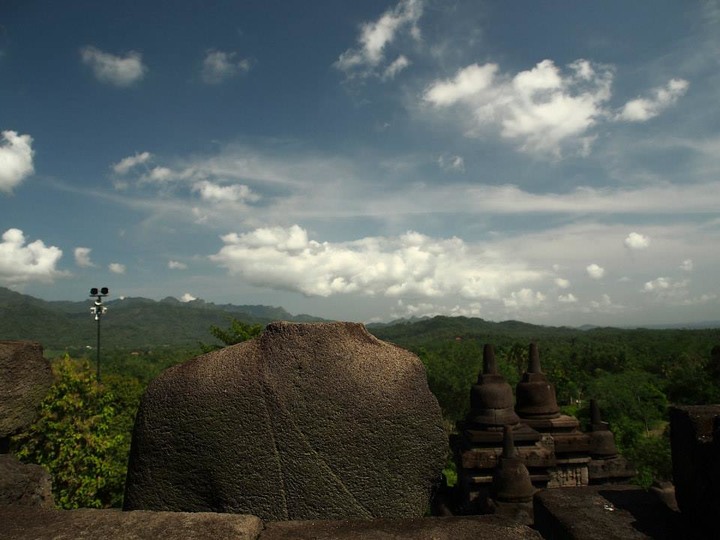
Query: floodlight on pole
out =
(98, 310)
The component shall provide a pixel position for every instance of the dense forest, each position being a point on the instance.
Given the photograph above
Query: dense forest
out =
(83, 432)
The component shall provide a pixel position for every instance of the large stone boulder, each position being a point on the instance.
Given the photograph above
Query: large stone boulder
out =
(25, 378)
(24, 485)
(308, 421)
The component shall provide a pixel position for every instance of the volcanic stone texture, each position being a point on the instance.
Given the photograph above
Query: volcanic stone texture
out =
(308, 421)
(25, 378)
(614, 512)
(23, 523)
(24, 485)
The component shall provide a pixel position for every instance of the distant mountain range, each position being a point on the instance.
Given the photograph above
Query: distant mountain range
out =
(129, 322)
(144, 323)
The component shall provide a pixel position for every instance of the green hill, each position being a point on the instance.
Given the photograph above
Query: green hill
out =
(128, 323)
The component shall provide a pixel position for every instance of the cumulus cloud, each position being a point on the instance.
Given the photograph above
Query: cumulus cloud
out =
(126, 164)
(160, 174)
(187, 297)
(595, 271)
(541, 109)
(409, 265)
(664, 284)
(116, 70)
(22, 263)
(524, 298)
(210, 191)
(369, 54)
(116, 268)
(451, 163)
(669, 290)
(636, 241)
(687, 265)
(562, 283)
(569, 298)
(429, 309)
(218, 66)
(82, 257)
(176, 265)
(604, 304)
(643, 109)
(16, 159)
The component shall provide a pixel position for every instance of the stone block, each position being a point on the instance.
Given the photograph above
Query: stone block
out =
(308, 421)
(25, 378)
(24, 485)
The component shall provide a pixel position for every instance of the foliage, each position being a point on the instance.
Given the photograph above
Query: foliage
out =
(634, 374)
(651, 455)
(82, 435)
(237, 332)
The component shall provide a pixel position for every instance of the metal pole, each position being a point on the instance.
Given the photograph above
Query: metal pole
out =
(98, 309)
(99, 316)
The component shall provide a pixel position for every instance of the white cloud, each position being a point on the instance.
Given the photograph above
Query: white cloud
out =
(116, 268)
(451, 163)
(16, 159)
(216, 193)
(524, 298)
(124, 165)
(429, 309)
(595, 271)
(687, 265)
(21, 263)
(412, 265)
(671, 291)
(219, 66)
(467, 84)
(187, 297)
(363, 60)
(399, 64)
(604, 304)
(543, 109)
(176, 265)
(636, 241)
(664, 284)
(82, 257)
(569, 298)
(117, 70)
(160, 174)
(643, 109)
(562, 283)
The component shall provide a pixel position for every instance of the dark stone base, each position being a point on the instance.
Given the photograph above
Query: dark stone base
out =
(604, 513)
(20, 523)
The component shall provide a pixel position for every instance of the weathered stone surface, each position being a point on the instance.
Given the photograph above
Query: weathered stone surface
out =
(308, 421)
(24, 523)
(602, 513)
(695, 444)
(25, 378)
(449, 528)
(24, 485)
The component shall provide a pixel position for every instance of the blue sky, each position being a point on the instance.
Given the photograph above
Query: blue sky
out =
(552, 162)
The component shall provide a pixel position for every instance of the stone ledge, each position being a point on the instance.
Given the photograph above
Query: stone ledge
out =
(438, 528)
(22, 523)
(602, 513)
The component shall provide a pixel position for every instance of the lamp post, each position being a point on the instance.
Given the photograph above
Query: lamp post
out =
(98, 310)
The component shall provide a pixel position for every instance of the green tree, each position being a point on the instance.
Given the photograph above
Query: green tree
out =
(237, 332)
(80, 437)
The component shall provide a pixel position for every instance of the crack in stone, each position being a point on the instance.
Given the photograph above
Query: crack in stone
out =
(271, 427)
(267, 392)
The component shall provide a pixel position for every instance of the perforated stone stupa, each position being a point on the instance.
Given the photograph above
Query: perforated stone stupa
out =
(553, 450)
